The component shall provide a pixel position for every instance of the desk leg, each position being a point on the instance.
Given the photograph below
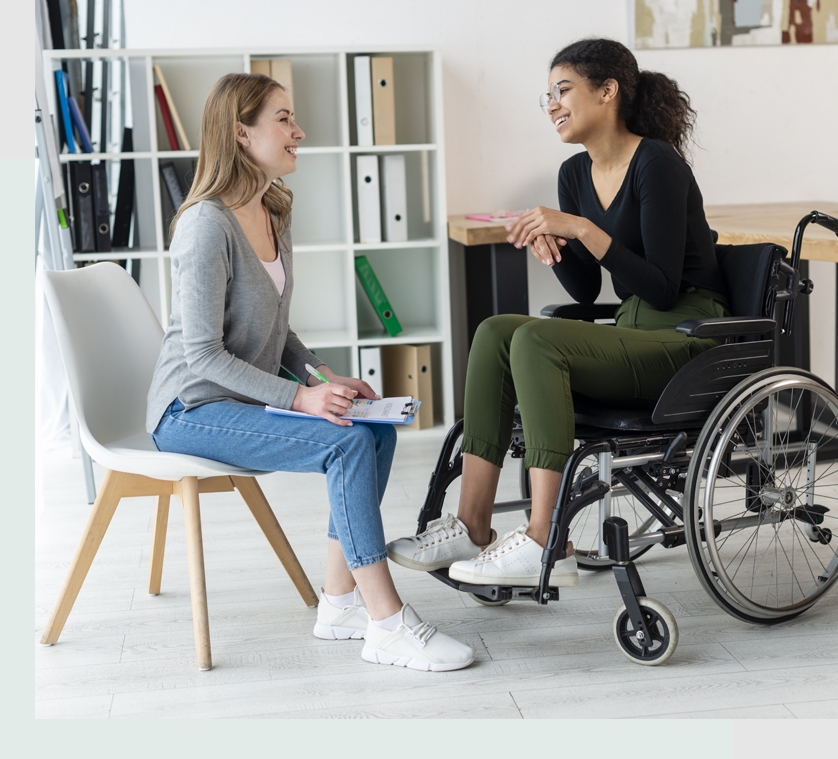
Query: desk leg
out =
(496, 283)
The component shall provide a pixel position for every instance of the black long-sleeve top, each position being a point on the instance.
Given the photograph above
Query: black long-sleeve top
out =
(661, 244)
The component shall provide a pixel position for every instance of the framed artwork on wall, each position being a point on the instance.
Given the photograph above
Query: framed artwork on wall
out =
(721, 23)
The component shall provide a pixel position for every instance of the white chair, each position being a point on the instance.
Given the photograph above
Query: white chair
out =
(110, 341)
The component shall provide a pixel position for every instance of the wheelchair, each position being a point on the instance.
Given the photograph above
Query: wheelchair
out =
(738, 460)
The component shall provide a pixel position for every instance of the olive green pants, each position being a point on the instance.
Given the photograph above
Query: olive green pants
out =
(538, 363)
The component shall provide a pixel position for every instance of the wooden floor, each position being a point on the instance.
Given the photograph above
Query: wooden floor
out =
(125, 654)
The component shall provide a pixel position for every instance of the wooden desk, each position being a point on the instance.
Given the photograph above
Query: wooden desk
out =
(776, 222)
(496, 272)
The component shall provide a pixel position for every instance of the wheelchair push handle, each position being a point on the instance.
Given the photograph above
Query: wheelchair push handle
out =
(825, 220)
(796, 285)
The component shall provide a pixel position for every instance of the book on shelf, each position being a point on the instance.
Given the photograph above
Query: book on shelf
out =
(174, 188)
(81, 207)
(369, 198)
(166, 115)
(363, 100)
(81, 127)
(101, 207)
(182, 139)
(383, 100)
(278, 69)
(394, 197)
(369, 360)
(65, 122)
(124, 210)
(372, 287)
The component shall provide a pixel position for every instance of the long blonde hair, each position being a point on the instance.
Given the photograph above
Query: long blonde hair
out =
(223, 164)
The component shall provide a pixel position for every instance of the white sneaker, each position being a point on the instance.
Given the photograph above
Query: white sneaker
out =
(415, 644)
(515, 559)
(445, 541)
(341, 624)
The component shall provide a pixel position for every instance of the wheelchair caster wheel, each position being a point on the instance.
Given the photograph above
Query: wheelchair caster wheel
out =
(486, 601)
(663, 629)
(823, 536)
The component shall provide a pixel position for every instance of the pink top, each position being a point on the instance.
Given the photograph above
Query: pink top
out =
(277, 272)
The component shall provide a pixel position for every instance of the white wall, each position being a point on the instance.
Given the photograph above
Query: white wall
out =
(767, 116)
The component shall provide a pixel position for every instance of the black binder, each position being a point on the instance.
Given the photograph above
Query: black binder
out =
(101, 207)
(81, 198)
(124, 196)
(173, 186)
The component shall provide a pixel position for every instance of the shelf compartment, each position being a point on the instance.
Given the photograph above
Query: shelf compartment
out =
(190, 80)
(409, 278)
(319, 206)
(420, 177)
(320, 300)
(316, 85)
(412, 77)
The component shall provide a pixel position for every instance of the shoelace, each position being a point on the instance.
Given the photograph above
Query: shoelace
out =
(421, 633)
(492, 551)
(440, 529)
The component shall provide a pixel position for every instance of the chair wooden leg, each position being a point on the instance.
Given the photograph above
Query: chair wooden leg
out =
(265, 517)
(188, 496)
(97, 524)
(158, 544)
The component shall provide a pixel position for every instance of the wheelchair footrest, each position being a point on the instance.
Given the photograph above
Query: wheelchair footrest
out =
(495, 592)
(506, 592)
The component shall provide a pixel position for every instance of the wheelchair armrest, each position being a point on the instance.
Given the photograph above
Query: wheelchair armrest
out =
(726, 326)
(585, 312)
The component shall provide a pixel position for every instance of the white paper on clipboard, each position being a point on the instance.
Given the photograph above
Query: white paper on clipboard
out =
(394, 410)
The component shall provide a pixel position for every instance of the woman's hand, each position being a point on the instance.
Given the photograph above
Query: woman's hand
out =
(546, 249)
(328, 400)
(548, 223)
(542, 221)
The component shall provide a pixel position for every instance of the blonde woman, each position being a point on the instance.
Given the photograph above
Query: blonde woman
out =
(228, 338)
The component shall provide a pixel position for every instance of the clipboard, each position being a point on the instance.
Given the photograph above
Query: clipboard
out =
(394, 410)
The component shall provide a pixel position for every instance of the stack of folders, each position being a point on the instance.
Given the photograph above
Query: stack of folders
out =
(278, 69)
(382, 198)
(375, 103)
(408, 370)
(88, 181)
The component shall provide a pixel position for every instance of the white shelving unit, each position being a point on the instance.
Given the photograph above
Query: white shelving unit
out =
(330, 311)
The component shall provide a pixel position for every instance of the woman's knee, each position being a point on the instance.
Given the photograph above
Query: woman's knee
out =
(495, 331)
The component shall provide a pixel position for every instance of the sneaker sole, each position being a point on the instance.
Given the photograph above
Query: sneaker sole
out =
(421, 566)
(556, 580)
(381, 657)
(330, 632)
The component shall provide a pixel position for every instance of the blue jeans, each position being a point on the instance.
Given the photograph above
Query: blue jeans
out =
(356, 461)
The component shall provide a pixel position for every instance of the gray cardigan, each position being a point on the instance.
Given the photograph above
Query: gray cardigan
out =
(229, 329)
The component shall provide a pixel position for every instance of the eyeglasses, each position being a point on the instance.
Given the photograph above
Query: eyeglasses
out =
(555, 94)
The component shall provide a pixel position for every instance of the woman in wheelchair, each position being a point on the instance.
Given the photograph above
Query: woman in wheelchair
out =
(629, 204)
(220, 362)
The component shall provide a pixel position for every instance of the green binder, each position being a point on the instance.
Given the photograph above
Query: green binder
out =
(377, 297)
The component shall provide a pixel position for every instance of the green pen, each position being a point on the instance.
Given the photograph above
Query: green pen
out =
(314, 373)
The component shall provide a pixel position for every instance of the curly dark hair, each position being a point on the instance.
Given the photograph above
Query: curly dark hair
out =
(651, 104)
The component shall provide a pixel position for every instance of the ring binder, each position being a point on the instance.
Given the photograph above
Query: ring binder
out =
(81, 198)
(101, 208)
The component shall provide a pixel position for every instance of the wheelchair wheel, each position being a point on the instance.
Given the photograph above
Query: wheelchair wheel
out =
(764, 474)
(660, 623)
(585, 527)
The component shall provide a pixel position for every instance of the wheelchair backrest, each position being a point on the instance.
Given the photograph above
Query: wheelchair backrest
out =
(751, 278)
